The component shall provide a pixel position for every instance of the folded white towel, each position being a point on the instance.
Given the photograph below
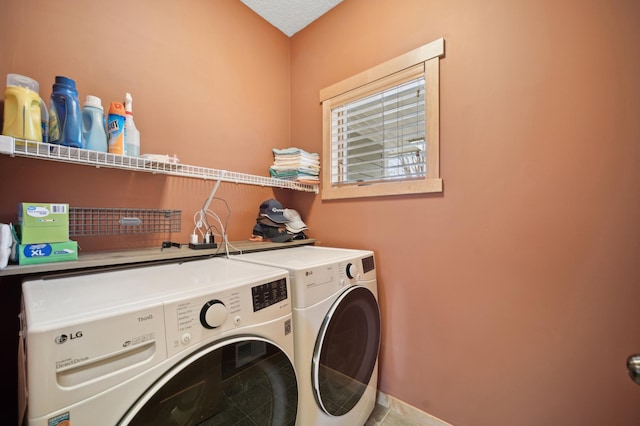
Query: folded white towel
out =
(6, 241)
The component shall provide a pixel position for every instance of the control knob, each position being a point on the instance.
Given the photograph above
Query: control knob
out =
(351, 270)
(213, 314)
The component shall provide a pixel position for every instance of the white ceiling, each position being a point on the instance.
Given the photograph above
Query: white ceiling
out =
(290, 16)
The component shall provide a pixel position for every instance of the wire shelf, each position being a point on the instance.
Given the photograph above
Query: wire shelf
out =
(84, 221)
(25, 148)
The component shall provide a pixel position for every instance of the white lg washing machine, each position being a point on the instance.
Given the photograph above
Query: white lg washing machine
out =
(336, 320)
(201, 342)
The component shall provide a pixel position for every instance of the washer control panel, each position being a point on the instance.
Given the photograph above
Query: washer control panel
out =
(194, 319)
(268, 294)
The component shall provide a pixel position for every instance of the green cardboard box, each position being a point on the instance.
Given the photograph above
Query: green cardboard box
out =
(30, 254)
(43, 223)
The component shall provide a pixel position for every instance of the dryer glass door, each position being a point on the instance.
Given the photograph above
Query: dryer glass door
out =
(241, 381)
(346, 351)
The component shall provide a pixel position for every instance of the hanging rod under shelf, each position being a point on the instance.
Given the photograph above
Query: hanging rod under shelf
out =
(31, 149)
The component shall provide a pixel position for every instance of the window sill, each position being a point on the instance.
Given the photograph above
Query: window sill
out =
(383, 189)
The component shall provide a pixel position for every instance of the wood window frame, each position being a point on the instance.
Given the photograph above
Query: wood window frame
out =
(423, 59)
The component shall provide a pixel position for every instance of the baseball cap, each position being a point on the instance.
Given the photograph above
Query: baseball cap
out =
(265, 221)
(275, 234)
(273, 210)
(294, 222)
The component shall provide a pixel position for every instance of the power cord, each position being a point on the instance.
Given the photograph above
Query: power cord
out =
(219, 229)
(209, 224)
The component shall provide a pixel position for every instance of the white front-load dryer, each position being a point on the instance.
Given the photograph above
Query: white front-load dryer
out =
(337, 330)
(201, 342)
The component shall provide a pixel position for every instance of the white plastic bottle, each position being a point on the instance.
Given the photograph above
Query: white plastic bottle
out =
(131, 133)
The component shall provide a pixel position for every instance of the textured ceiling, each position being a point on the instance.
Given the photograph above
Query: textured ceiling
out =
(290, 16)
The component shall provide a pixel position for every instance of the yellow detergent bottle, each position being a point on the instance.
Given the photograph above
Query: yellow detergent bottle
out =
(22, 108)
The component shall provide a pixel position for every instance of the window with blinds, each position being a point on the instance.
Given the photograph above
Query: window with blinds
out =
(381, 128)
(380, 137)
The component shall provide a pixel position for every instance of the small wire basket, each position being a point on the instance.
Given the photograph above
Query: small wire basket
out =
(85, 221)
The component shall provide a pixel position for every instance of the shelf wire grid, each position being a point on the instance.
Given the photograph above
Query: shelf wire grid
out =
(89, 221)
(26, 148)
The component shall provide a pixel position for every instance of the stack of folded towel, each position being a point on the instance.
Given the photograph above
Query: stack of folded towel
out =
(295, 164)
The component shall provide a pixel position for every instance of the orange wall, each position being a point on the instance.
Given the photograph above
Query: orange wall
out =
(210, 83)
(510, 298)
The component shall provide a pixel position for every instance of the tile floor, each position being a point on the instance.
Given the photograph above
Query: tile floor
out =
(392, 412)
(383, 416)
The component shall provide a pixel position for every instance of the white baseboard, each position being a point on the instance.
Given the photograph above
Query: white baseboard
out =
(409, 412)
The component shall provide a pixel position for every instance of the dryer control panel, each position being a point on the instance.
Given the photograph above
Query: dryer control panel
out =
(316, 283)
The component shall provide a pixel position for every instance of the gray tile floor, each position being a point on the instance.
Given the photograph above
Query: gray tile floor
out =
(378, 415)
(383, 416)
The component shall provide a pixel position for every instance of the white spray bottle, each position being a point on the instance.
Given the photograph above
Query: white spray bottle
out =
(131, 133)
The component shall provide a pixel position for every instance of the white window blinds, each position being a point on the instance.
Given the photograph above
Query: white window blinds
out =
(380, 137)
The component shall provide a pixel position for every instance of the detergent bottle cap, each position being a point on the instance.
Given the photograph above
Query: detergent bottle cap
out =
(63, 82)
(93, 101)
(128, 101)
(116, 108)
(23, 81)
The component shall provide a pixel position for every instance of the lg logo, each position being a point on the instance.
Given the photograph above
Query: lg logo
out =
(64, 337)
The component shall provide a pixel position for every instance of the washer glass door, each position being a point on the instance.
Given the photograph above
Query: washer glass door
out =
(346, 351)
(240, 381)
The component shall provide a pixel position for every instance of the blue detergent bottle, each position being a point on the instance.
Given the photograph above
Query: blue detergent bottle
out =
(65, 114)
(94, 132)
